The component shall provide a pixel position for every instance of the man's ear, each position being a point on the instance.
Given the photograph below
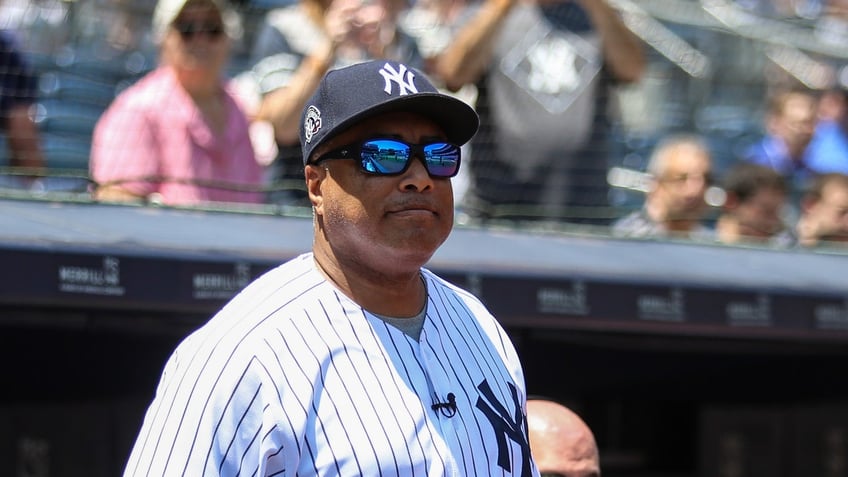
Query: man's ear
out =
(315, 175)
(652, 183)
(772, 124)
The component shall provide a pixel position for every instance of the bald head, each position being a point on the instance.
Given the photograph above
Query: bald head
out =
(560, 442)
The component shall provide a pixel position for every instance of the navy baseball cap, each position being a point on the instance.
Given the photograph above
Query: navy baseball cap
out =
(353, 93)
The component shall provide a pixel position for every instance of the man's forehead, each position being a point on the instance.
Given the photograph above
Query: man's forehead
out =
(836, 192)
(688, 163)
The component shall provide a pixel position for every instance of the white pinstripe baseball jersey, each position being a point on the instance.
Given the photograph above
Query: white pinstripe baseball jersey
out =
(294, 378)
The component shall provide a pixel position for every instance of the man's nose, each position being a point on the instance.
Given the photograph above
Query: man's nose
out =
(416, 175)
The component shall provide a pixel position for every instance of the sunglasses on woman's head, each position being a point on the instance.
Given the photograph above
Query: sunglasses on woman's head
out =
(391, 157)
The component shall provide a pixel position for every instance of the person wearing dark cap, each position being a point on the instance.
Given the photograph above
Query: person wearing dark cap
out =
(353, 359)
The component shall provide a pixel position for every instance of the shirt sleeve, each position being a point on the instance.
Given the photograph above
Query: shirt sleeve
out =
(213, 418)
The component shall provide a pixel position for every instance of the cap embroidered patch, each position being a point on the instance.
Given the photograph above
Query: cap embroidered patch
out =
(311, 123)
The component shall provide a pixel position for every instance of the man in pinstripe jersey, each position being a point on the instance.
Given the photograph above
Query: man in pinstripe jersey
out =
(352, 360)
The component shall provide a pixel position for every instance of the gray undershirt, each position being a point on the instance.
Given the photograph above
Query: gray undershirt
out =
(410, 326)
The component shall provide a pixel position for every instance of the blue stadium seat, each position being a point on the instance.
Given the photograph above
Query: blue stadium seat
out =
(67, 117)
(103, 64)
(68, 152)
(66, 86)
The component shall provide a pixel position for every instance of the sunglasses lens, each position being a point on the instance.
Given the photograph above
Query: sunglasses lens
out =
(386, 156)
(442, 159)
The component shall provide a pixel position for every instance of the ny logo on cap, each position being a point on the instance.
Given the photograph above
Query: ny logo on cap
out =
(402, 77)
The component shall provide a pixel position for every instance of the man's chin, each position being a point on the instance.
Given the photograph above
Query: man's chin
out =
(685, 215)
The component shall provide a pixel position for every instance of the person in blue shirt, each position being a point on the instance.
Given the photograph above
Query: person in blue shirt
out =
(789, 124)
(828, 151)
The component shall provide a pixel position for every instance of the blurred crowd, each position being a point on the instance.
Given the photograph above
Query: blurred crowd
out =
(197, 102)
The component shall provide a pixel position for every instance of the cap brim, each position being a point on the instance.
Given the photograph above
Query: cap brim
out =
(457, 119)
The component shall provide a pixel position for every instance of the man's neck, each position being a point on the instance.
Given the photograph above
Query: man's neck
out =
(727, 229)
(674, 225)
(399, 295)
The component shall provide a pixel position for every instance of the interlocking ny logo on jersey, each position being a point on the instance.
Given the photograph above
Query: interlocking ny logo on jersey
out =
(402, 77)
(513, 427)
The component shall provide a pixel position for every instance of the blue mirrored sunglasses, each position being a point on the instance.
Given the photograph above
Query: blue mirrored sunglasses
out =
(390, 157)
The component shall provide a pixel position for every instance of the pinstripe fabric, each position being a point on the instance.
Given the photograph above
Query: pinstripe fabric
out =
(293, 378)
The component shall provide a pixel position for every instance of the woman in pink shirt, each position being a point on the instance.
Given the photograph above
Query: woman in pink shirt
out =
(178, 136)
